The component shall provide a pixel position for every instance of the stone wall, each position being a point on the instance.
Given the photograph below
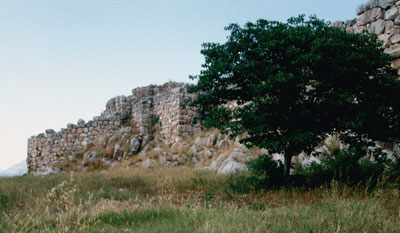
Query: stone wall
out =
(132, 116)
(381, 17)
(126, 127)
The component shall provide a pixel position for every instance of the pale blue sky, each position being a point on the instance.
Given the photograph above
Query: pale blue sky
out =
(61, 60)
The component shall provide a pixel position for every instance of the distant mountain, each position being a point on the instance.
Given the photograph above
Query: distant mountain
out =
(16, 170)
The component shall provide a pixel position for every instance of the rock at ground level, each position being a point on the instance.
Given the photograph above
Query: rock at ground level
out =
(135, 145)
(230, 166)
(48, 171)
(148, 163)
(91, 156)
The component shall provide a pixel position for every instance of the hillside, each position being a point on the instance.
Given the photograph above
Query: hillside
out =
(15, 170)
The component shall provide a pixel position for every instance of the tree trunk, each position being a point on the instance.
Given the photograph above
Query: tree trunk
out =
(287, 165)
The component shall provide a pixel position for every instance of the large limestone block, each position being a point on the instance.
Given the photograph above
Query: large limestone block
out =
(81, 123)
(362, 8)
(381, 3)
(395, 38)
(371, 28)
(379, 26)
(394, 50)
(372, 4)
(135, 145)
(116, 150)
(388, 26)
(370, 16)
(230, 166)
(215, 164)
(394, 31)
(241, 155)
(211, 140)
(396, 63)
(385, 39)
(392, 13)
(50, 131)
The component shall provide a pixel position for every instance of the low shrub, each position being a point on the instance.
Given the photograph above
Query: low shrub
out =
(78, 155)
(242, 183)
(265, 173)
(6, 202)
(345, 167)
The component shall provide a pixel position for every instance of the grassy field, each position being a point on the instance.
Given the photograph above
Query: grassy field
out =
(187, 200)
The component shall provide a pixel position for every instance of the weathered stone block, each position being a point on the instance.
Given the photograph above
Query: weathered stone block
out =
(381, 3)
(395, 38)
(396, 63)
(362, 8)
(388, 26)
(50, 131)
(394, 31)
(370, 16)
(394, 50)
(379, 26)
(392, 13)
(81, 123)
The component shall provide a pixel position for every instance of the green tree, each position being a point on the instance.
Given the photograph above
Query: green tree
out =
(285, 86)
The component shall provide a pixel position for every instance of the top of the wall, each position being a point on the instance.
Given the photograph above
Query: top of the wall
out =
(384, 4)
(153, 90)
(112, 111)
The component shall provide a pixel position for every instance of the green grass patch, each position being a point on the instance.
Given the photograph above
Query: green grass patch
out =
(187, 200)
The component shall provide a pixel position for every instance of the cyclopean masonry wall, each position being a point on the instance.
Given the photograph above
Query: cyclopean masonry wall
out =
(126, 129)
(132, 116)
(381, 17)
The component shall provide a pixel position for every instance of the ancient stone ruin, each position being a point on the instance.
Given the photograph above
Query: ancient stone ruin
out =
(132, 116)
(153, 127)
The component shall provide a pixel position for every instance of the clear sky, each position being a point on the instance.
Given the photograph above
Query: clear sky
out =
(61, 60)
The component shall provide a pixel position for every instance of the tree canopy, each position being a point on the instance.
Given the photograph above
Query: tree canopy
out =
(286, 86)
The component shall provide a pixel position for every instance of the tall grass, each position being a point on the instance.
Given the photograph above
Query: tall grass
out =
(187, 200)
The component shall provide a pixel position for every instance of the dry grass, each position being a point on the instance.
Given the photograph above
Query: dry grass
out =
(109, 151)
(125, 148)
(97, 164)
(186, 200)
